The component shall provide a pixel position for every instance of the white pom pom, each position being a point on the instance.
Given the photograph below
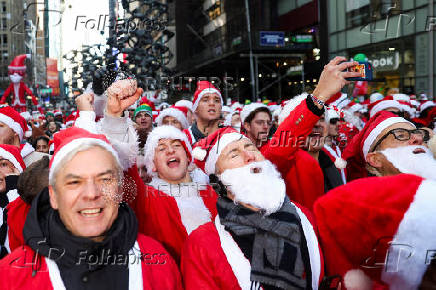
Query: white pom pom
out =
(357, 280)
(28, 134)
(340, 163)
(432, 145)
(199, 153)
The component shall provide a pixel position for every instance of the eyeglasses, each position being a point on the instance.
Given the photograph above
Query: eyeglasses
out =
(404, 135)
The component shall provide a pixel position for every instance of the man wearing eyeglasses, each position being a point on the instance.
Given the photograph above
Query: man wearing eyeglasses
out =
(390, 145)
(256, 119)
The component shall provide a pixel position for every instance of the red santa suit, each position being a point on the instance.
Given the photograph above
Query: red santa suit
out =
(212, 259)
(170, 215)
(17, 213)
(25, 269)
(302, 174)
(17, 89)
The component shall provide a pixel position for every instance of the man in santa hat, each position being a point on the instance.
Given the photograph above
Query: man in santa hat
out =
(13, 129)
(389, 145)
(11, 166)
(176, 201)
(207, 105)
(377, 232)
(188, 105)
(174, 116)
(17, 90)
(259, 239)
(143, 117)
(81, 230)
(256, 119)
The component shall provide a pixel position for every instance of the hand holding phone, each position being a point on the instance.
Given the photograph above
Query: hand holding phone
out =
(365, 70)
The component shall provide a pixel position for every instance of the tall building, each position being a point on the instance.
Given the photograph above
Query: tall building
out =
(213, 41)
(395, 35)
(11, 36)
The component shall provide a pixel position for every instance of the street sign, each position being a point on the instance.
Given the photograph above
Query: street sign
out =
(302, 38)
(272, 38)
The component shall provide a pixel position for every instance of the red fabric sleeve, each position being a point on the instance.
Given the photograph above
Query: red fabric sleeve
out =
(6, 93)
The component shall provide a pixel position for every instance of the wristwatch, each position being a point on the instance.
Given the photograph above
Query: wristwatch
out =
(316, 100)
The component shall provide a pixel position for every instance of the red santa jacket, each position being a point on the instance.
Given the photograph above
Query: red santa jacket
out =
(25, 269)
(22, 91)
(159, 216)
(303, 175)
(212, 260)
(17, 213)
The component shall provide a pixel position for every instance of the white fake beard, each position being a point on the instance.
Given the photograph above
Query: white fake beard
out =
(403, 158)
(264, 189)
(15, 78)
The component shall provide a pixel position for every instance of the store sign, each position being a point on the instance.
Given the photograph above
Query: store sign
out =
(382, 61)
(272, 38)
(305, 38)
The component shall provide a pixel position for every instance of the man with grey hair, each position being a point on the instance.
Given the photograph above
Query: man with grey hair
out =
(85, 234)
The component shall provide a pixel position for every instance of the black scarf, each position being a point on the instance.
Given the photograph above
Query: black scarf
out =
(11, 184)
(275, 245)
(83, 263)
(198, 135)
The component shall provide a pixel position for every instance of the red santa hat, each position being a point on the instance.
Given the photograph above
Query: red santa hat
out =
(250, 108)
(383, 105)
(163, 132)
(70, 120)
(12, 154)
(180, 113)
(392, 219)
(57, 113)
(72, 139)
(360, 145)
(15, 121)
(184, 103)
(426, 105)
(144, 100)
(19, 63)
(204, 87)
(207, 150)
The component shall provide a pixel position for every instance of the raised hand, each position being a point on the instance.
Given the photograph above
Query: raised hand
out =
(85, 102)
(333, 78)
(117, 104)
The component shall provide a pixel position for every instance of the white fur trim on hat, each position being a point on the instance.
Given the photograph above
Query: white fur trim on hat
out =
(248, 109)
(375, 97)
(162, 132)
(184, 103)
(383, 105)
(67, 148)
(377, 131)
(290, 106)
(215, 151)
(12, 124)
(202, 93)
(411, 249)
(11, 158)
(426, 105)
(173, 112)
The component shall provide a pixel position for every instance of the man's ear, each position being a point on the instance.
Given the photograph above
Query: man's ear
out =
(374, 159)
(247, 126)
(53, 201)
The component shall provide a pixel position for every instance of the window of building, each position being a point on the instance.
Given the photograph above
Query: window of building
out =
(4, 24)
(4, 40)
(214, 11)
(3, 7)
(363, 12)
(285, 6)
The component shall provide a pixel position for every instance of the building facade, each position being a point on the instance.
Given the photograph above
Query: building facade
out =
(396, 36)
(213, 42)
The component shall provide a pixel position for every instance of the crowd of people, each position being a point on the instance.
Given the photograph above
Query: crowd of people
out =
(315, 192)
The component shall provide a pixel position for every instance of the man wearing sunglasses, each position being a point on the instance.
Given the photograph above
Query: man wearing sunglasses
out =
(390, 145)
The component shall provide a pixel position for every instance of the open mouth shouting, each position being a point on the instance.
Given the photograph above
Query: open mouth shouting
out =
(418, 151)
(173, 162)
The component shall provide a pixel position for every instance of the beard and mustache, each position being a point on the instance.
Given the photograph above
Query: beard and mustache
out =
(414, 159)
(258, 184)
